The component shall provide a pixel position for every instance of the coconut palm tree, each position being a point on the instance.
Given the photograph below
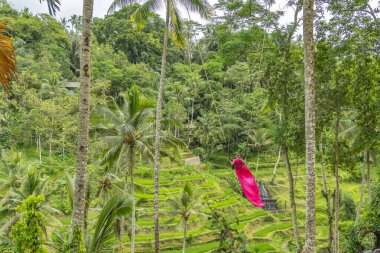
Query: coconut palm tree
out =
(173, 25)
(7, 58)
(186, 205)
(128, 130)
(208, 132)
(260, 140)
(78, 217)
(33, 183)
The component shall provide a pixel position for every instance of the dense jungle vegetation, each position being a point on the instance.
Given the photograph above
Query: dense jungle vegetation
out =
(101, 168)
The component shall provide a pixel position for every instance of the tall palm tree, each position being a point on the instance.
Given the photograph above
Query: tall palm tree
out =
(7, 58)
(128, 130)
(186, 205)
(77, 221)
(173, 24)
(260, 140)
(308, 29)
(208, 132)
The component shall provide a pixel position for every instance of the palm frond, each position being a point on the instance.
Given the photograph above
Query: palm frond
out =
(176, 25)
(141, 15)
(117, 4)
(53, 6)
(69, 189)
(113, 115)
(116, 206)
(202, 7)
(7, 58)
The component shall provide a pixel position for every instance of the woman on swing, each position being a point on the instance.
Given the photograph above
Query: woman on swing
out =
(247, 181)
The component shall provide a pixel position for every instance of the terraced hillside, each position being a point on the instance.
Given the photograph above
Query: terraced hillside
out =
(267, 232)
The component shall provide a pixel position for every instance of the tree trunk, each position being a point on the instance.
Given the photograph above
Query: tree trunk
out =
(121, 220)
(377, 234)
(39, 148)
(83, 128)
(368, 175)
(86, 208)
(337, 191)
(328, 206)
(50, 140)
(308, 27)
(275, 166)
(158, 134)
(121, 229)
(292, 199)
(364, 169)
(131, 164)
(257, 161)
(184, 237)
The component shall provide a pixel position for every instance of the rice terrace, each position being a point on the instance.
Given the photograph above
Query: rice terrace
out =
(246, 126)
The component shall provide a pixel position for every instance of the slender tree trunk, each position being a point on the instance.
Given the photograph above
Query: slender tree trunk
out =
(39, 148)
(292, 199)
(275, 166)
(83, 129)
(86, 208)
(158, 134)
(184, 237)
(131, 165)
(308, 29)
(337, 191)
(50, 140)
(121, 232)
(121, 220)
(63, 154)
(364, 169)
(377, 234)
(368, 175)
(326, 196)
(257, 160)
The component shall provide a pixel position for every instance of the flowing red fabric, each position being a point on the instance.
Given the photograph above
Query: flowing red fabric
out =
(248, 183)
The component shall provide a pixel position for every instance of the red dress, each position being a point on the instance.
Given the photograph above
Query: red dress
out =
(248, 183)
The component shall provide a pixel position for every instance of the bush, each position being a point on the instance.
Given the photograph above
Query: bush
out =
(27, 233)
(347, 206)
(269, 218)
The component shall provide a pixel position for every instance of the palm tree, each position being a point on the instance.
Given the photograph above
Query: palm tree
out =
(186, 205)
(32, 184)
(77, 221)
(52, 87)
(259, 140)
(7, 58)
(129, 130)
(173, 24)
(308, 29)
(208, 132)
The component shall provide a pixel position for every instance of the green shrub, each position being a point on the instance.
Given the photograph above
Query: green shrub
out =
(347, 206)
(27, 233)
